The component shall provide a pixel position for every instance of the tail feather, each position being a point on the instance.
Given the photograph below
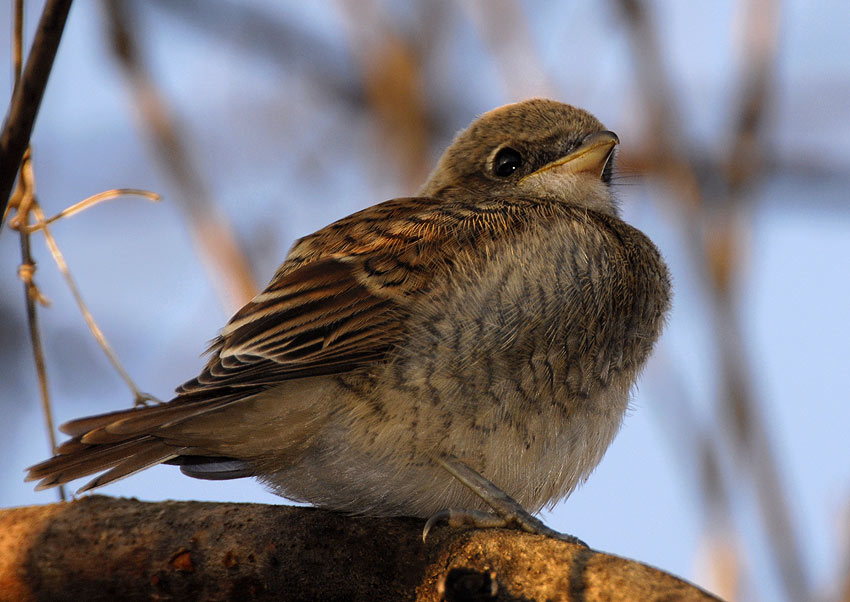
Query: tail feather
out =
(81, 426)
(156, 452)
(135, 420)
(71, 446)
(120, 443)
(158, 418)
(61, 469)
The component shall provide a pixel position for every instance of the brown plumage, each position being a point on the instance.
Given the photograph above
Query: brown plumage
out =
(501, 317)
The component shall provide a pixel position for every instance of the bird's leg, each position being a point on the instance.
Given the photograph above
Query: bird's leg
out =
(508, 512)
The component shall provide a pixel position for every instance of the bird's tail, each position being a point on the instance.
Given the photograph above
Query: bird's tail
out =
(119, 444)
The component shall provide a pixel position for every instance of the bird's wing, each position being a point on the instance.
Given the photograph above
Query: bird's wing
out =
(317, 319)
(340, 300)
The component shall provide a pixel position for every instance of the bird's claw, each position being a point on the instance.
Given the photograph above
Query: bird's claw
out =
(484, 520)
(508, 513)
(464, 518)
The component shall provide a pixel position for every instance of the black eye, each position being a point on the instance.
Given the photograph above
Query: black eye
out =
(506, 162)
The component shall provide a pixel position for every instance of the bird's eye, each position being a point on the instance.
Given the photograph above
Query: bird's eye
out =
(506, 162)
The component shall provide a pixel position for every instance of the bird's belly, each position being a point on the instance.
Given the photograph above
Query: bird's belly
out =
(518, 411)
(504, 368)
(524, 420)
(377, 455)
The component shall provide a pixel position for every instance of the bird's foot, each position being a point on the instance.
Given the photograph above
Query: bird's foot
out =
(508, 513)
(485, 520)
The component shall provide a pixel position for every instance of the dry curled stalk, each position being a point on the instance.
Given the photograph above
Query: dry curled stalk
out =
(26, 204)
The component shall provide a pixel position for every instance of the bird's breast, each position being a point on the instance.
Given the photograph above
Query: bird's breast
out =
(521, 363)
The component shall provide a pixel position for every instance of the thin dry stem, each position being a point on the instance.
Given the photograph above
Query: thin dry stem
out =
(24, 196)
(26, 272)
(139, 398)
(91, 201)
(26, 204)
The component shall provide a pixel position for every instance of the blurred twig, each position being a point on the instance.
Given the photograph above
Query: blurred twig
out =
(262, 33)
(664, 153)
(699, 458)
(715, 234)
(706, 166)
(741, 412)
(216, 243)
(391, 67)
(505, 30)
(26, 100)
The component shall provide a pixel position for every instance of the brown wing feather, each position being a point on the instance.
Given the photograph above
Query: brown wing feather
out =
(316, 319)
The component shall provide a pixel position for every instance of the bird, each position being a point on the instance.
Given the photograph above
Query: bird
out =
(427, 354)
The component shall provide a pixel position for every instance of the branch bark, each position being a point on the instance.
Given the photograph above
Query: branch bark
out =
(100, 548)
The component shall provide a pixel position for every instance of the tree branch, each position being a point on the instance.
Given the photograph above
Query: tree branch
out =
(100, 548)
(17, 127)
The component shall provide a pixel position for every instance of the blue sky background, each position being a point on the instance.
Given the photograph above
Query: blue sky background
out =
(283, 155)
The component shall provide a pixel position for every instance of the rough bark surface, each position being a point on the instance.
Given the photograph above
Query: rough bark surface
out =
(101, 548)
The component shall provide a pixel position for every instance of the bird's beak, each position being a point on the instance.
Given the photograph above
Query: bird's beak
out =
(591, 157)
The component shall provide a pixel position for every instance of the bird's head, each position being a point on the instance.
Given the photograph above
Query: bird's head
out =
(536, 148)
